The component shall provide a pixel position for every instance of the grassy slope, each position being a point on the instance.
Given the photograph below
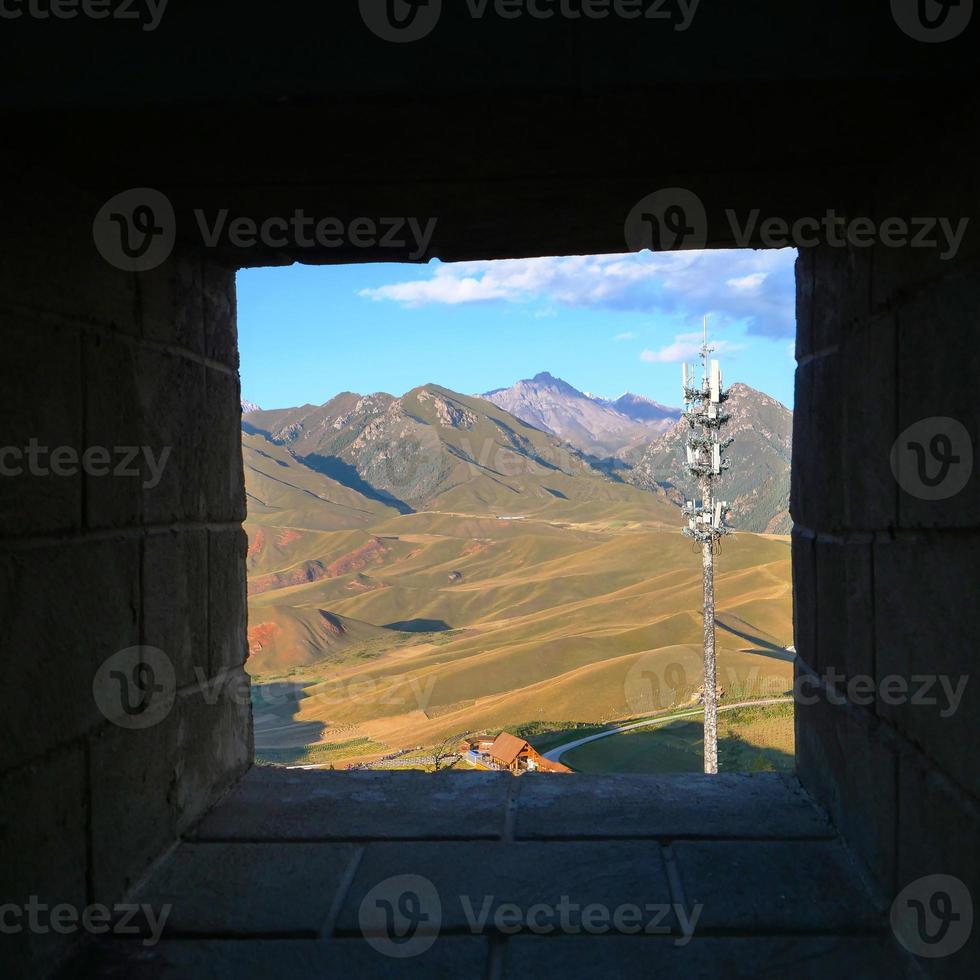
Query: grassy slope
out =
(587, 610)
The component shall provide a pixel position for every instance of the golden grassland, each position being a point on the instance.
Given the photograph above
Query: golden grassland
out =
(440, 623)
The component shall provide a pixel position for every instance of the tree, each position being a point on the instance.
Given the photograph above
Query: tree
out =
(446, 750)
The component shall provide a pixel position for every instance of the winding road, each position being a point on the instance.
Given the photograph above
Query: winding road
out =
(554, 755)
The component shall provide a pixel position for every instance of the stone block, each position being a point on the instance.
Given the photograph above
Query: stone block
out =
(926, 622)
(740, 958)
(451, 958)
(68, 610)
(40, 408)
(730, 805)
(215, 743)
(224, 475)
(841, 293)
(806, 261)
(175, 421)
(279, 804)
(464, 884)
(134, 803)
(175, 600)
(62, 272)
(220, 314)
(172, 302)
(238, 890)
(845, 612)
(936, 331)
(871, 388)
(774, 886)
(939, 834)
(817, 493)
(115, 478)
(227, 599)
(43, 853)
(805, 596)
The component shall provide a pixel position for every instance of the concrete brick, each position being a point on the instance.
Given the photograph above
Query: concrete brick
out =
(56, 651)
(175, 600)
(845, 611)
(279, 804)
(841, 292)
(801, 957)
(173, 405)
(43, 851)
(817, 493)
(926, 621)
(133, 786)
(224, 478)
(870, 409)
(948, 191)
(215, 744)
(238, 890)
(805, 596)
(451, 958)
(950, 314)
(172, 302)
(55, 267)
(939, 833)
(467, 874)
(729, 805)
(220, 314)
(40, 399)
(774, 886)
(806, 261)
(112, 424)
(226, 599)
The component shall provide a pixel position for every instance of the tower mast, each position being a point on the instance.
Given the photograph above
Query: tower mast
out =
(706, 518)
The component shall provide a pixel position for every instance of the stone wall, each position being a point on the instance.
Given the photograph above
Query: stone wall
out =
(93, 565)
(886, 567)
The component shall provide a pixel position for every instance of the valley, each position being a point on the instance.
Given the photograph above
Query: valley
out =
(426, 567)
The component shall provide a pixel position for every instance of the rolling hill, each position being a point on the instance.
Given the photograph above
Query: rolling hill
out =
(427, 565)
(757, 485)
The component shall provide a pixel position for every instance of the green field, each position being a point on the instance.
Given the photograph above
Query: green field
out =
(749, 740)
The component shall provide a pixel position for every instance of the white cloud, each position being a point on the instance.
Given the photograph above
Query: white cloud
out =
(748, 284)
(626, 335)
(686, 347)
(737, 284)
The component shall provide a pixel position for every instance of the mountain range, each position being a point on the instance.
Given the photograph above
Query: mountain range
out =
(523, 447)
(598, 426)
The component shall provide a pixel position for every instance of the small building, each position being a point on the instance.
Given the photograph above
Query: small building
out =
(517, 755)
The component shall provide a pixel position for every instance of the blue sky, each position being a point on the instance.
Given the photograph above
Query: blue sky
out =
(606, 324)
